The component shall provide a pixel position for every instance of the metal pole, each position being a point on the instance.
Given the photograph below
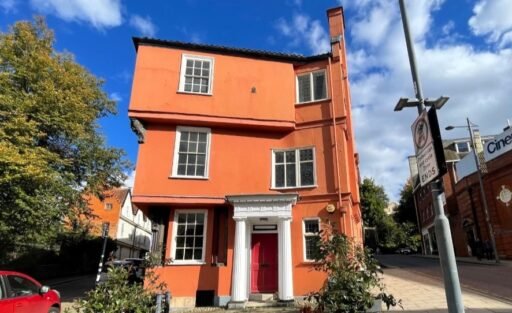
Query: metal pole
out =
(482, 194)
(105, 238)
(442, 226)
(412, 58)
(446, 254)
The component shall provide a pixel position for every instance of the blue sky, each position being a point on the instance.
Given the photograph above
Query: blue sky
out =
(463, 49)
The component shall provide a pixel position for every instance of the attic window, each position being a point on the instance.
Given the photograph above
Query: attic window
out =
(108, 206)
(196, 74)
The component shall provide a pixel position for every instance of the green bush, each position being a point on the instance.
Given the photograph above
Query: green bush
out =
(118, 295)
(353, 282)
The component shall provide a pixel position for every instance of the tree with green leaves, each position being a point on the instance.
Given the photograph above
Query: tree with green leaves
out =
(373, 201)
(51, 150)
(406, 211)
(405, 216)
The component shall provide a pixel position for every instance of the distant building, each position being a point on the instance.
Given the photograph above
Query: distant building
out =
(462, 197)
(128, 226)
(391, 208)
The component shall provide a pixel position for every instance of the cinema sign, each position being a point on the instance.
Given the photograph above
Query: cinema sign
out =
(501, 144)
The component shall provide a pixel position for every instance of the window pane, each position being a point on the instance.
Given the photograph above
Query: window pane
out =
(190, 63)
(206, 73)
(188, 80)
(182, 158)
(184, 136)
(304, 85)
(192, 146)
(194, 136)
(306, 154)
(290, 156)
(279, 157)
(200, 218)
(201, 158)
(202, 137)
(183, 146)
(179, 254)
(199, 242)
(189, 254)
(306, 174)
(198, 254)
(311, 226)
(182, 218)
(191, 159)
(206, 64)
(181, 169)
(195, 88)
(200, 171)
(191, 170)
(199, 230)
(279, 176)
(311, 247)
(204, 89)
(319, 85)
(180, 241)
(191, 218)
(181, 230)
(188, 87)
(189, 242)
(197, 72)
(290, 175)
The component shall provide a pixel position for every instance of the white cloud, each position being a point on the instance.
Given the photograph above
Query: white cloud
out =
(143, 25)
(8, 5)
(475, 79)
(491, 19)
(116, 97)
(99, 13)
(130, 180)
(303, 30)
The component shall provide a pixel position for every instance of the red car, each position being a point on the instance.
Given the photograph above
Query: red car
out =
(20, 293)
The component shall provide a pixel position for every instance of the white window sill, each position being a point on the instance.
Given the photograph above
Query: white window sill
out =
(188, 177)
(186, 263)
(195, 93)
(298, 187)
(313, 102)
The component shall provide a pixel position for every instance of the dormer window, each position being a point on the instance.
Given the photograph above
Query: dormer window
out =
(196, 74)
(311, 87)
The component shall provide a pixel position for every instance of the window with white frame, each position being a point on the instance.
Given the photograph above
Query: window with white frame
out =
(189, 236)
(311, 237)
(463, 146)
(311, 87)
(294, 168)
(191, 152)
(196, 74)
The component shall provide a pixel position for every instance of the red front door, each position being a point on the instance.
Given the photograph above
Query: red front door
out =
(264, 263)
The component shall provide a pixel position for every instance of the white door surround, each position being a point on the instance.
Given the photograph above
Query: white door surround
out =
(262, 209)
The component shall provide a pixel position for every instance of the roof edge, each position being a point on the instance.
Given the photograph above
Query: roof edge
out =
(259, 54)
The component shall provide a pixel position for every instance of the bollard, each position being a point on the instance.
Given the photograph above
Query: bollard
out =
(159, 303)
(168, 301)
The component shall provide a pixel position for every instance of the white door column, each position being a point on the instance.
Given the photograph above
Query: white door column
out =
(239, 283)
(285, 260)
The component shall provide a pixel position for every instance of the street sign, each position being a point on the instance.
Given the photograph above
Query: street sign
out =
(428, 168)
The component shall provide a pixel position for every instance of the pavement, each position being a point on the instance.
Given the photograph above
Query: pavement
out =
(470, 260)
(419, 292)
(422, 294)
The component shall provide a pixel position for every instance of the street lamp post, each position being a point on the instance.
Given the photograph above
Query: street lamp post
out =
(482, 191)
(442, 226)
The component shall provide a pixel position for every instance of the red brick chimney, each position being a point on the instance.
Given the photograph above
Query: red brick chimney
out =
(336, 29)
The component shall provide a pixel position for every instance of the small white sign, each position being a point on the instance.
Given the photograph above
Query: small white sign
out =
(498, 146)
(425, 152)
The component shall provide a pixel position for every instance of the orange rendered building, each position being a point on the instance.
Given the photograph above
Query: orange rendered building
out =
(243, 155)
